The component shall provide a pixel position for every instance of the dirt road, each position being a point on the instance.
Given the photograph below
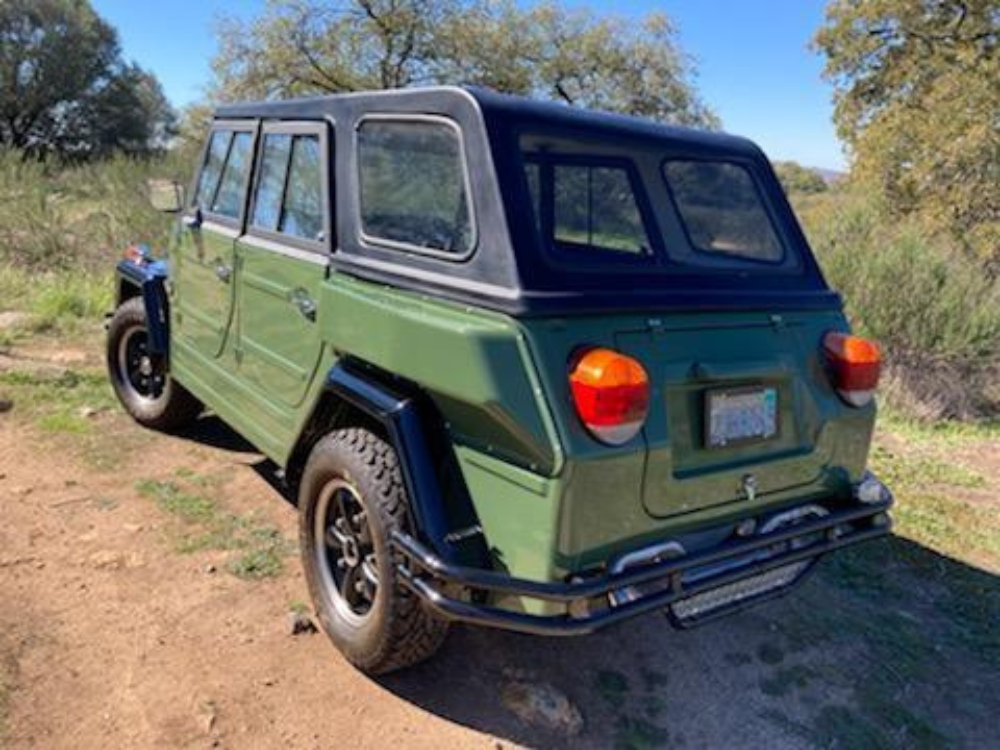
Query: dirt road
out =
(128, 618)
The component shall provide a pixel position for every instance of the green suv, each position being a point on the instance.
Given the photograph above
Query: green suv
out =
(524, 366)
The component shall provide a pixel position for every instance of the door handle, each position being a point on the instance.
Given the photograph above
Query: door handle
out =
(304, 304)
(223, 272)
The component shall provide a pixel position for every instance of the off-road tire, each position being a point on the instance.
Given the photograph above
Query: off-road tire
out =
(398, 631)
(173, 406)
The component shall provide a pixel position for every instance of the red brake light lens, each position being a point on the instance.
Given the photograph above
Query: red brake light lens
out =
(611, 394)
(135, 253)
(855, 365)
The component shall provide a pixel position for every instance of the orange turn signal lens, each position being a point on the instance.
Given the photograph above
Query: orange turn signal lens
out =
(855, 365)
(610, 393)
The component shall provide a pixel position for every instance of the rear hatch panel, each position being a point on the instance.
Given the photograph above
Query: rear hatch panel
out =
(686, 361)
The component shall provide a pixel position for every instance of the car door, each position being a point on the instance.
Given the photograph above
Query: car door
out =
(283, 259)
(202, 261)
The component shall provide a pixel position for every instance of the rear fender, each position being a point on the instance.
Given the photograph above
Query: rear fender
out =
(148, 280)
(442, 511)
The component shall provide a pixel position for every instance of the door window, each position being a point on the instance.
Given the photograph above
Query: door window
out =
(271, 183)
(289, 196)
(215, 157)
(229, 196)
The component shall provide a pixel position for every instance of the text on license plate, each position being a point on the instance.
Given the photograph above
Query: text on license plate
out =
(739, 415)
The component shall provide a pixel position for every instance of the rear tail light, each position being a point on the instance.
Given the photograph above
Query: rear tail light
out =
(138, 254)
(855, 364)
(611, 394)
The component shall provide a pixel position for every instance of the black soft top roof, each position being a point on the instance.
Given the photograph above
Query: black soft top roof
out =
(493, 105)
(508, 270)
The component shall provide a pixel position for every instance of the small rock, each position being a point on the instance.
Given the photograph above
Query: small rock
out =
(6, 405)
(22, 491)
(542, 705)
(132, 528)
(106, 558)
(300, 623)
(206, 720)
(209, 568)
(88, 412)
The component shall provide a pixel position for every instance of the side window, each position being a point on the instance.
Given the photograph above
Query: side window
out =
(229, 196)
(413, 188)
(721, 210)
(215, 157)
(289, 197)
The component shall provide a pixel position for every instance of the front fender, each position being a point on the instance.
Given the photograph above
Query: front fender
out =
(148, 278)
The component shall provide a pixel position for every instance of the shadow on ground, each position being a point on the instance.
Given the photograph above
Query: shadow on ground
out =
(211, 431)
(886, 645)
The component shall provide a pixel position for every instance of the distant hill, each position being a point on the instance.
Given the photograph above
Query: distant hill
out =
(830, 176)
(799, 179)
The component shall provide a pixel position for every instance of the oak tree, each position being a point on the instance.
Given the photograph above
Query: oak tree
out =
(303, 47)
(65, 88)
(917, 91)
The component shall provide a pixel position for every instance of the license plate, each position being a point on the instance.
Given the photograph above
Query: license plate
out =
(741, 415)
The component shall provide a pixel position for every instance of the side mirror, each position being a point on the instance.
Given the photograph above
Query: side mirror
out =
(166, 195)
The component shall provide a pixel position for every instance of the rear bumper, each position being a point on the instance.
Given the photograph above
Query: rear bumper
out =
(766, 565)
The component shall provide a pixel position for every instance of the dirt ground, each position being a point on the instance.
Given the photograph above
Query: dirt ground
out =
(111, 635)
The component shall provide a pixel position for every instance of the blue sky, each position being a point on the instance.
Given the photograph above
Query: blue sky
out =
(755, 67)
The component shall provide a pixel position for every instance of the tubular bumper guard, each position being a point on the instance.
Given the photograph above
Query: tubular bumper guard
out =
(440, 584)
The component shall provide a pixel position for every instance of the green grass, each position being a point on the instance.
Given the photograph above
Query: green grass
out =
(61, 304)
(936, 499)
(189, 507)
(72, 407)
(256, 549)
(912, 471)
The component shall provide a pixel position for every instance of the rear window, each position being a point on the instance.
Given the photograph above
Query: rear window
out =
(413, 188)
(721, 210)
(586, 207)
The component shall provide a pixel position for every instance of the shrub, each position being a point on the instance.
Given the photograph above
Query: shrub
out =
(77, 217)
(935, 311)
